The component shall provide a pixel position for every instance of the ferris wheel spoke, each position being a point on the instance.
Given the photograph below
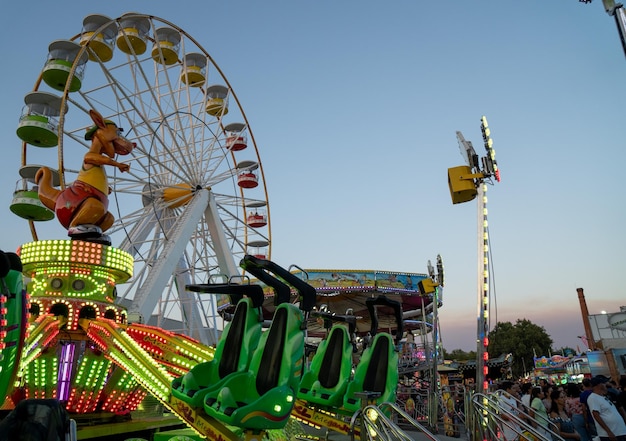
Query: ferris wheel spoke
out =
(142, 225)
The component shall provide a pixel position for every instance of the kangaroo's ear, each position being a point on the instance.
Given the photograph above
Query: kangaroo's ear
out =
(97, 119)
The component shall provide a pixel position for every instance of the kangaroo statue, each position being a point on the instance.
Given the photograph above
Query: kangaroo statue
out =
(82, 207)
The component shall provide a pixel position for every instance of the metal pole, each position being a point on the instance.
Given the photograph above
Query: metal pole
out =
(482, 334)
(434, 383)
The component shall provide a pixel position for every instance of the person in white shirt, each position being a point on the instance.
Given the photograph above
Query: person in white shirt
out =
(610, 422)
(508, 404)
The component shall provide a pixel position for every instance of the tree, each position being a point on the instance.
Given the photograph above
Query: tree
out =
(524, 340)
(459, 355)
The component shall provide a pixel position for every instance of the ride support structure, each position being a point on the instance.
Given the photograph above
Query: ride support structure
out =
(468, 182)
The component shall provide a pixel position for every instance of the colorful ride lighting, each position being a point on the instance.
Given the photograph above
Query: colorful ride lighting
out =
(41, 255)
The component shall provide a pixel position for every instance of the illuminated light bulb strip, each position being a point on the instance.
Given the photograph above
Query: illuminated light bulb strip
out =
(485, 293)
(41, 254)
(42, 376)
(122, 391)
(75, 399)
(141, 354)
(96, 384)
(176, 350)
(114, 401)
(3, 321)
(193, 349)
(39, 338)
(148, 341)
(74, 307)
(125, 352)
(129, 365)
(136, 398)
(89, 383)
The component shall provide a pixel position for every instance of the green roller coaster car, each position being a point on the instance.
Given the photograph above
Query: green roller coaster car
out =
(326, 381)
(263, 397)
(12, 319)
(233, 354)
(377, 372)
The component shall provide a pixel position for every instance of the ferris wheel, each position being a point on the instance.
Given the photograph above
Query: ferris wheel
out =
(194, 201)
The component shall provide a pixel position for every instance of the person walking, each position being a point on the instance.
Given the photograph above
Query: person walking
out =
(610, 422)
(576, 410)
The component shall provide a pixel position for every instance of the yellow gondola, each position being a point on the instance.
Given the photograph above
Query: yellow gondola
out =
(217, 100)
(98, 34)
(165, 49)
(132, 35)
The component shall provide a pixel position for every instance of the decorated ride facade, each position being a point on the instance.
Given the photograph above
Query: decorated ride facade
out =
(80, 349)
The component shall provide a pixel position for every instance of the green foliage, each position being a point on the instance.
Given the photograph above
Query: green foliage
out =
(459, 355)
(523, 339)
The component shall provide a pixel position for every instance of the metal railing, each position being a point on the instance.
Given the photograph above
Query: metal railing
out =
(488, 419)
(383, 423)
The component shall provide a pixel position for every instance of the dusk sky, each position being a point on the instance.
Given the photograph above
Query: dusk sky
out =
(354, 107)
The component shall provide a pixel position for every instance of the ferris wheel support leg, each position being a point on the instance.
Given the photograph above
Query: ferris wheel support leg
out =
(225, 260)
(149, 293)
(192, 310)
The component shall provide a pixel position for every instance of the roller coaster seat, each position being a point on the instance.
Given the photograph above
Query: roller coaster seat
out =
(232, 354)
(325, 382)
(263, 397)
(377, 371)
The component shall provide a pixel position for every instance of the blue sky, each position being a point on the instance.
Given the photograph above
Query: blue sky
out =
(354, 107)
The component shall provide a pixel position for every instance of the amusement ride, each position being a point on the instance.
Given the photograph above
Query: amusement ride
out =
(193, 200)
(135, 142)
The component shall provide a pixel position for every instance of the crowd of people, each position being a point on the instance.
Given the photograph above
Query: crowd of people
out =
(594, 410)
